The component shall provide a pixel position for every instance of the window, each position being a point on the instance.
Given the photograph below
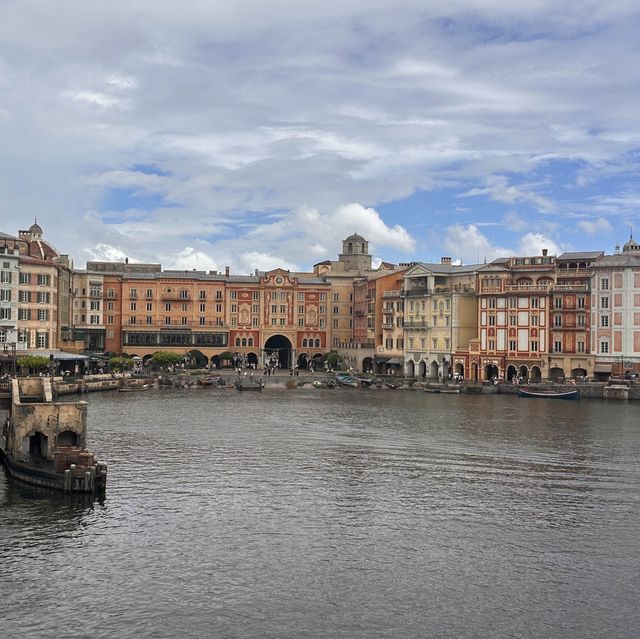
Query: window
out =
(149, 293)
(323, 310)
(604, 302)
(5, 314)
(300, 297)
(283, 309)
(492, 302)
(132, 319)
(234, 308)
(149, 306)
(535, 302)
(512, 345)
(274, 308)
(42, 340)
(336, 297)
(111, 293)
(434, 342)
(254, 321)
(43, 298)
(25, 278)
(447, 344)
(389, 342)
(43, 280)
(183, 321)
(218, 308)
(604, 284)
(580, 320)
(534, 345)
(557, 346)
(534, 320)
(24, 314)
(24, 296)
(184, 307)
(149, 319)
(492, 344)
(203, 295)
(580, 302)
(513, 319)
(335, 323)
(202, 308)
(5, 277)
(513, 302)
(234, 295)
(218, 295)
(604, 346)
(301, 321)
(255, 295)
(557, 320)
(300, 310)
(94, 319)
(336, 310)
(580, 346)
(133, 306)
(133, 293)
(184, 294)
(110, 306)
(492, 320)
(604, 320)
(94, 305)
(43, 314)
(167, 306)
(167, 321)
(557, 302)
(282, 321)
(5, 295)
(323, 297)
(110, 319)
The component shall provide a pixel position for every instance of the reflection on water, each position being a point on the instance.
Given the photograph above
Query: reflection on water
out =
(315, 513)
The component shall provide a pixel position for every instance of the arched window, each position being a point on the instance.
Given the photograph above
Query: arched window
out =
(318, 343)
(244, 341)
(304, 343)
(237, 341)
(350, 248)
(250, 342)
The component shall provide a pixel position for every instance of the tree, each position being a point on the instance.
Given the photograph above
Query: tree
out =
(34, 362)
(332, 358)
(226, 356)
(120, 364)
(164, 359)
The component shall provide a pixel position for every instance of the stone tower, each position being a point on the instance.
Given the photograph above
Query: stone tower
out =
(355, 254)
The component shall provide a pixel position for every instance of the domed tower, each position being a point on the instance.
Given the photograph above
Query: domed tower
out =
(35, 231)
(355, 253)
(631, 246)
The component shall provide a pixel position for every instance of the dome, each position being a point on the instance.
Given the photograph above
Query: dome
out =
(355, 238)
(631, 245)
(35, 229)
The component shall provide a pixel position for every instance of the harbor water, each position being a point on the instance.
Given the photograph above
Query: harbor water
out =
(346, 513)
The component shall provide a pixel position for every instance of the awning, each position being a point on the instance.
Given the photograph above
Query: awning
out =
(378, 359)
(58, 356)
(394, 361)
(602, 367)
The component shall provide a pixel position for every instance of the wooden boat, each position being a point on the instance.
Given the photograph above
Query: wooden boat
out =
(133, 389)
(441, 389)
(347, 380)
(42, 442)
(549, 392)
(249, 387)
(390, 385)
(364, 381)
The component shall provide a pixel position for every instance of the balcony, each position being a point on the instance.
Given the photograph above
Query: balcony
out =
(175, 325)
(527, 288)
(416, 324)
(175, 296)
(558, 288)
(392, 294)
(415, 292)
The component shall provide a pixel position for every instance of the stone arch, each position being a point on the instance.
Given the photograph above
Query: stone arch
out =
(523, 372)
(303, 361)
(535, 375)
(252, 359)
(556, 374)
(491, 371)
(67, 438)
(434, 369)
(459, 370)
(36, 444)
(578, 373)
(367, 364)
(279, 348)
(511, 372)
(411, 368)
(422, 369)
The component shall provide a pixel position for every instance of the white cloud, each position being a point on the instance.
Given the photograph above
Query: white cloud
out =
(534, 243)
(595, 227)
(469, 246)
(191, 259)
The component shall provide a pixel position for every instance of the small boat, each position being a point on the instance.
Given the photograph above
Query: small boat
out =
(133, 389)
(390, 385)
(209, 381)
(347, 380)
(364, 381)
(250, 387)
(548, 392)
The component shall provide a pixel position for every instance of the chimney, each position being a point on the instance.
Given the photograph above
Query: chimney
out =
(226, 271)
(544, 252)
(445, 260)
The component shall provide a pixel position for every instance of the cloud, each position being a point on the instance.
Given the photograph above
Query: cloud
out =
(500, 190)
(534, 243)
(470, 246)
(191, 259)
(595, 227)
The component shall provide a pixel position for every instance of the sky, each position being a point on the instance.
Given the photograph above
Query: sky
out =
(207, 133)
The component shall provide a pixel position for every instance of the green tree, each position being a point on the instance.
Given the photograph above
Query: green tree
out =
(120, 364)
(34, 362)
(226, 356)
(332, 358)
(164, 359)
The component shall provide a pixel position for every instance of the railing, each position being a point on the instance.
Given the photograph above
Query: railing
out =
(389, 294)
(416, 324)
(526, 288)
(175, 297)
(570, 287)
(174, 325)
(415, 292)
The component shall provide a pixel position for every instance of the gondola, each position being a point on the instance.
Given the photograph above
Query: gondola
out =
(548, 393)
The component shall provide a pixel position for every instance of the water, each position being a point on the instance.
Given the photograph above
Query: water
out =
(344, 513)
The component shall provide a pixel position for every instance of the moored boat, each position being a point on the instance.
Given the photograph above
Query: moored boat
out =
(133, 389)
(346, 380)
(43, 442)
(547, 392)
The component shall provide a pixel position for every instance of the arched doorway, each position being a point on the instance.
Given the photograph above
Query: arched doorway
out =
(459, 371)
(536, 375)
(434, 369)
(556, 374)
(67, 438)
(252, 360)
(511, 372)
(422, 369)
(197, 359)
(578, 373)
(411, 369)
(303, 361)
(38, 444)
(215, 361)
(524, 372)
(278, 349)
(367, 364)
(491, 371)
